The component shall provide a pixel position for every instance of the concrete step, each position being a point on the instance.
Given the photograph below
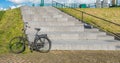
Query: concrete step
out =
(80, 33)
(91, 30)
(58, 16)
(26, 18)
(53, 23)
(76, 36)
(94, 30)
(51, 16)
(62, 19)
(84, 45)
(72, 32)
(52, 10)
(48, 19)
(29, 11)
(103, 37)
(54, 20)
(58, 28)
(72, 18)
(32, 18)
(71, 37)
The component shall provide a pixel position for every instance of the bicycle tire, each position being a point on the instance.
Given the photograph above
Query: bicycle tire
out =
(47, 42)
(20, 42)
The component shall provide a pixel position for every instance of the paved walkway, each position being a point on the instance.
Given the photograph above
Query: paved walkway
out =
(63, 57)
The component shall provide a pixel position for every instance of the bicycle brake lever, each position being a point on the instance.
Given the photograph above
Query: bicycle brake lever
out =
(25, 22)
(28, 26)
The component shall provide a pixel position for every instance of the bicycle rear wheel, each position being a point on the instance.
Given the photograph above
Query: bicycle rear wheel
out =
(43, 45)
(17, 45)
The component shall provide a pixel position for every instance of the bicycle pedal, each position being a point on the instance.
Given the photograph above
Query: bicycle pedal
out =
(31, 51)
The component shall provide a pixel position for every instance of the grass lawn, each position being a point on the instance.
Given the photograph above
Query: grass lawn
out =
(10, 26)
(112, 14)
(1, 14)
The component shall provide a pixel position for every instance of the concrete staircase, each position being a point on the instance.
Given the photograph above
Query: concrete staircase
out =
(65, 32)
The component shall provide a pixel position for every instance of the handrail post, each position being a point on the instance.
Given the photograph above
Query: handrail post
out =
(82, 16)
(52, 3)
(55, 4)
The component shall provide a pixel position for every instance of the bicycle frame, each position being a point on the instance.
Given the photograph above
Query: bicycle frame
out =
(36, 45)
(26, 37)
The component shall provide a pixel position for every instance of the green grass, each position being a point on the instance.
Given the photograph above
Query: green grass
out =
(10, 26)
(1, 14)
(111, 14)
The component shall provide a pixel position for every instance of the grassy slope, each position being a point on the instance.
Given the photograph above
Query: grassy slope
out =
(112, 14)
(107, 13)
(10, 26)
(1, 14)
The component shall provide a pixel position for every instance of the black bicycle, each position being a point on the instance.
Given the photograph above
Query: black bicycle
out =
(41, 42)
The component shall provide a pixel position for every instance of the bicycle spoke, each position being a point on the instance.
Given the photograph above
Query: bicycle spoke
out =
(45, 45)
(17, 45)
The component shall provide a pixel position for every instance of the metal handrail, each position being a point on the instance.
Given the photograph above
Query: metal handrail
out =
(98, 17)
(64, 6)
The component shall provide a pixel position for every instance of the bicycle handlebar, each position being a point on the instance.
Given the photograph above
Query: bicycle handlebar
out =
(25, 23)
(25, 26)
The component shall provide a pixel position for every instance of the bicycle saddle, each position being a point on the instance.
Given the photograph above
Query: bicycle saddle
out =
(25, 22)
(38, 29)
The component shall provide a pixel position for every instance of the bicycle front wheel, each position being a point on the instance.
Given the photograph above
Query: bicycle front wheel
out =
(17, 45)
(43, 45)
